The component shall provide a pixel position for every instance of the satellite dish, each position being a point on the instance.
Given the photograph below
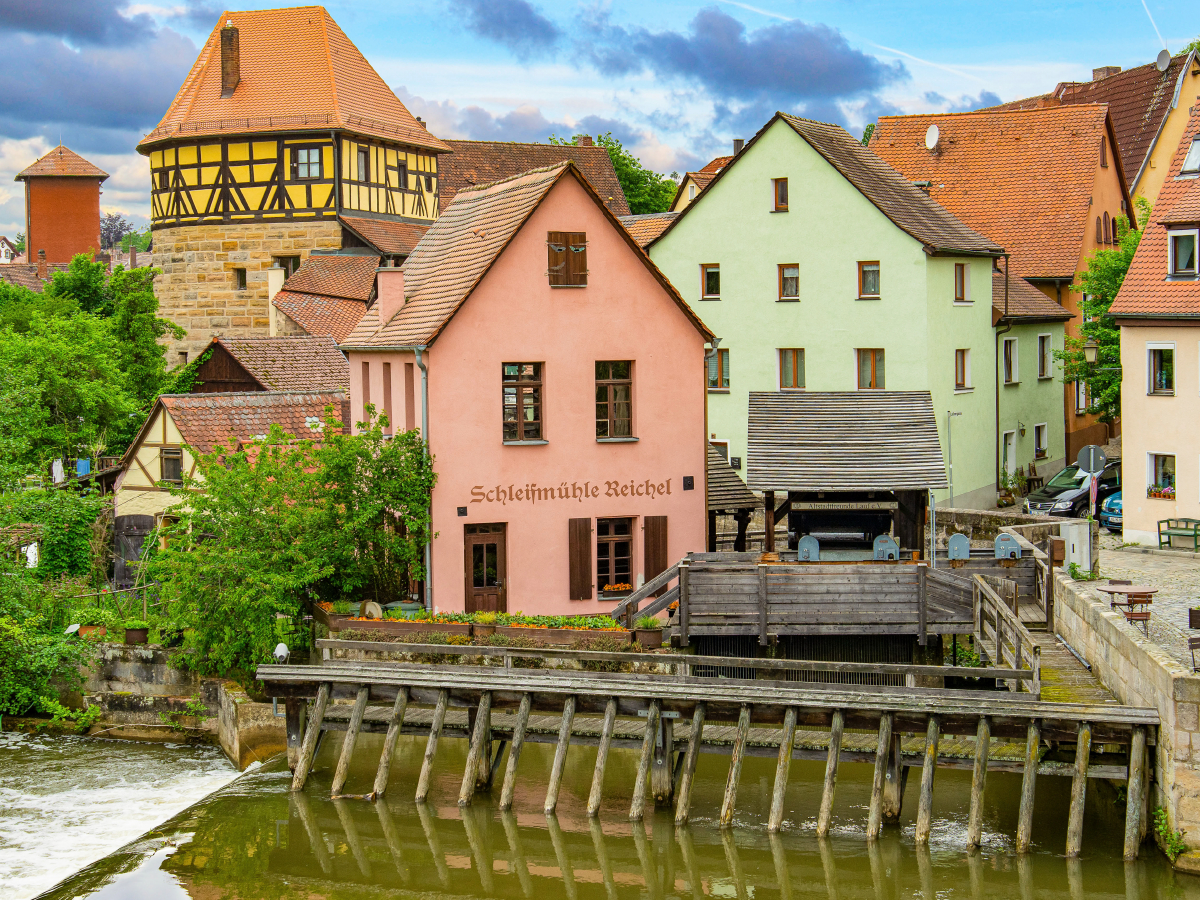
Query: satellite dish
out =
(931, 137)
(1164, 59)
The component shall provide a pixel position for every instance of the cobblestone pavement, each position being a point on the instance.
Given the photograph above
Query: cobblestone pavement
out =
(1178, 581)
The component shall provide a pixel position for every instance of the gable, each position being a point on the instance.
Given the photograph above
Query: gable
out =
(221, 373)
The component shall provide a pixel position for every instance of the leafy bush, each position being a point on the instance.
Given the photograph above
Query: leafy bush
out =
(485, 618)
(66, 517)
(135, 624)
(647, 622)
(1171, 842)
(30, 659)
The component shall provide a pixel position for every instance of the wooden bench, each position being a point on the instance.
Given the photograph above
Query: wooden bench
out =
(1185, 528)
(1193, 643)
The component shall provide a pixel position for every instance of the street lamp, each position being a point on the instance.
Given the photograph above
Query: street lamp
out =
(1091, 351)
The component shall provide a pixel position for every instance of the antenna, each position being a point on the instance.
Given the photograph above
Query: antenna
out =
(1164, 60)
(931, 137)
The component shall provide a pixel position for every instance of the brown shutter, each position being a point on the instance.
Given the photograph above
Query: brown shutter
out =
(655, 546)
(556, 257)
(580, 552)
(294, 158)
(576, 258)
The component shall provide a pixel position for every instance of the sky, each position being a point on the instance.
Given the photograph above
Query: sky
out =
(675, 81)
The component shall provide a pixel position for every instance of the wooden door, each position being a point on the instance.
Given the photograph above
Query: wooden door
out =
(486, 568)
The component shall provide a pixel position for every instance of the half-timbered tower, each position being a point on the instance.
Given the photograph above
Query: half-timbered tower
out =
(282, 139)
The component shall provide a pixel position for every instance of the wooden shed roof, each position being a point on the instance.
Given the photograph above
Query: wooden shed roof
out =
(726, 490)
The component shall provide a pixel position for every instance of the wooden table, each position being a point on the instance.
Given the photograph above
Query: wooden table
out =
(1134, 596)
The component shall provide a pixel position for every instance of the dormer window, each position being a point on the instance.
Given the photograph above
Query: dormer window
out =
(566, 254)
(691, 192)
(1182, 257)
(1191, 162)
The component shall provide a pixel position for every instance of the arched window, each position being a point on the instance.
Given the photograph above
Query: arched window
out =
(1099, 232)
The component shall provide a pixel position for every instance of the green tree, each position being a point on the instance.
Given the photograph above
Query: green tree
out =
(1105, 273)
(85, 281)
(139, 239)
(645, 190)
(1194, 45)
(867, 132)
(19, 243)
(138, 329)
(19, 305)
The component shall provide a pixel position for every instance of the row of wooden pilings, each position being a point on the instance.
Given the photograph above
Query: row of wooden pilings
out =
(655, 764)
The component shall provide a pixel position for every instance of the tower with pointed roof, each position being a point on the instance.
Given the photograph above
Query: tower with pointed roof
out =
(282, 140)
(62, 206)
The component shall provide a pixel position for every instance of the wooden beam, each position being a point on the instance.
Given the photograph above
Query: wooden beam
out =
(983, 742)
(783, 766)
(895, 781)
(825, 816)
(769, 521)
(514, 752)
(389, 742)
(483, 717)
(1083, 749)
(762, 605)
(684, 798)
(294, 709)
(684, 588)
(925, 801)
(1033, 746)
(304, 762)
(606, 735)
(875, 811)
(735, 767)
(922, 602)
(560, 756)
(435, 731)
(662, 770)
(638, 806)
(1135, 794)
(356, 717)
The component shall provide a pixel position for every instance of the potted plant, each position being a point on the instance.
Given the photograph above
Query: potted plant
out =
(483, 624)
(616, 590)
(96, 623)
(648, 631)
(136, 631)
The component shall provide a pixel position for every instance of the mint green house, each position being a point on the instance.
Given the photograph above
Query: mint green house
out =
(821, 268)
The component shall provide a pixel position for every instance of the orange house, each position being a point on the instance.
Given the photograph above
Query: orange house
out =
(62, 206)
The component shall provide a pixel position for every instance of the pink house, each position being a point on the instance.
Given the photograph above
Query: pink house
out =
(560, 381)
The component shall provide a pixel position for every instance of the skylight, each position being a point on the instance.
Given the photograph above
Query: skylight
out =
(1191, 163)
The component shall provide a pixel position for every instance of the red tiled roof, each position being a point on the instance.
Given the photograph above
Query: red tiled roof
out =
(299, 72)
(1025, 178)
(61, 162)
(1146, 290)
(333, 317)
(645, 228)
(205, 420)
(477, 163)
(335, 275)
(1185, 210)
(295, 363)
(1024, 300)
(713, 166)
(460, 248)
(386, 236)
(1138, 99)
(24, 275)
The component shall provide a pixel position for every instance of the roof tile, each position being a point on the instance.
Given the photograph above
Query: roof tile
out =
(295, 363)
(24, 275)
(333, 317)
(726, 490)
(61, 162)
(1024, 300)
(645, 228)
(335, 275)
(386, 236)
(205, 420)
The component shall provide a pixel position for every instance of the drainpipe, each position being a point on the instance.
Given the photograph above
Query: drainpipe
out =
(425, 437)
(708, 354)
(999, 367)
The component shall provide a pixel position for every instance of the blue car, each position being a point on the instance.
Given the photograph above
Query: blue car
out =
(1110, 512)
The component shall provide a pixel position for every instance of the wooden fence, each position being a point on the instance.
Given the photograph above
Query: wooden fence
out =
(1000, 635)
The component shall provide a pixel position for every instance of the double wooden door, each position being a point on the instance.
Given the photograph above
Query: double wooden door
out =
(486, 568)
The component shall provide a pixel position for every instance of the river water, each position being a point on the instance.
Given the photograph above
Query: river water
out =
(256, 840)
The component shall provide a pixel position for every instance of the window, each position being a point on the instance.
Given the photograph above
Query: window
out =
(962, 370)
(522, 401)
(1161, 369)
(239, 279)
(289, 264)
(1099, 231)
(789, 282)
(1083, 398)
(710, 282)
(402, 175)
(1039, 442)
(366, 390)
(1107, 232)
(791, 369)
(1045, 356)
(614, 399)
(1183, 252)
(306, 163)
(870, 369)
(1191, 162)
(1162, 470)
(1103, 153)
(387, 399)
(691, 192)
(364, 164)
(1012, 372)
(172, 464)
(614, 554)
(962, 284)
(868, 279)
(718, 371)
(567, 258)
(780, 194)
(429, 184)
(183, 357)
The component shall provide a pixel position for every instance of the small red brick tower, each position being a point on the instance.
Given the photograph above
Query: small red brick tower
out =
(62, 206)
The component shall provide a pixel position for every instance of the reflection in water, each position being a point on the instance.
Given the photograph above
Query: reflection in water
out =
(260, 841)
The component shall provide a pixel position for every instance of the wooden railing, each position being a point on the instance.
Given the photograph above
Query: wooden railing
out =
(628, 609)
(1000, 635)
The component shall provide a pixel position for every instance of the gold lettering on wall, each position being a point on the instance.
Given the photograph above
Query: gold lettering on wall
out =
(575, 490)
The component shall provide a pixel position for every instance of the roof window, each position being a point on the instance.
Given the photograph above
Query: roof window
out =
(1191, 162)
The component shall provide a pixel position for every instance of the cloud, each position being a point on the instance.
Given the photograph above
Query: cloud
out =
(92, 22)
(514, 24)
(965, 103)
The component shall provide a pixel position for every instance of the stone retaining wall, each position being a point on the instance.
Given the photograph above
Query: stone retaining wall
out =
(1140, 673)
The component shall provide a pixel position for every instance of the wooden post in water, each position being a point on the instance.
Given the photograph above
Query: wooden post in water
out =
(389, 742)
(1033, 747)
(560, 756)
(925, 802)
(1083, 750)
(352, 729)
(735, 766)
(983, 745)
(294, 708)
(435, 731)
(787, 740)
(883, 749)
(483, 718)
(894, 782)
(606, 734)
(1135, 793)
(514, 752)
(638, 806)
(662, 772)
(304, 762)
(684, 801)
(831, 767)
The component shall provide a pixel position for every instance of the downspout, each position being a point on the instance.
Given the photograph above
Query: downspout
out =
(337, 173)
(425, 437)
(999, 367)
(708, 354)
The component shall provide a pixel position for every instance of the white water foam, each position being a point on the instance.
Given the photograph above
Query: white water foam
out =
(66, 802)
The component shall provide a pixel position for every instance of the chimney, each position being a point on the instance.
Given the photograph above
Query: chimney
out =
(230, 60)
(389, 292)
(738, 144)
(42, 264)
(1104, 72)
(421, 122)
(275, 278)
(584, 140)
(132, 255)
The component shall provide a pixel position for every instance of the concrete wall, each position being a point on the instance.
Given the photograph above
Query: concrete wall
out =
(1140, 673)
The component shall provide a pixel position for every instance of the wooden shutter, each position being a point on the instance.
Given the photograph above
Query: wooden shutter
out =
(577, 270)
(294, 159)
(580, 552)
(556, 257)
(655, 545)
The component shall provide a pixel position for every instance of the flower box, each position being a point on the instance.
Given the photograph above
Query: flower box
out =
(331, 620)
(406, 626)
(563, 636)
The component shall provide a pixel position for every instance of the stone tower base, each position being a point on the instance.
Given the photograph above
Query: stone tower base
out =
(197, 289)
